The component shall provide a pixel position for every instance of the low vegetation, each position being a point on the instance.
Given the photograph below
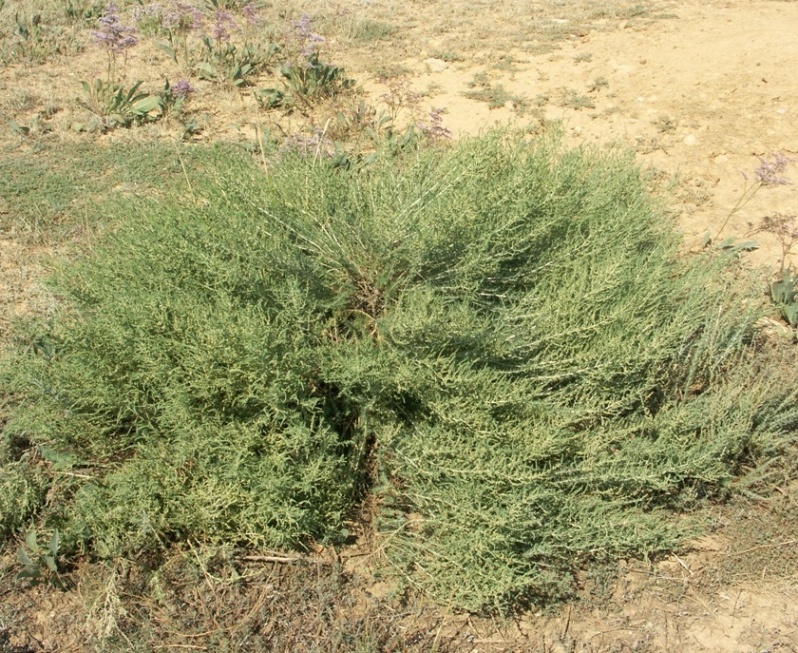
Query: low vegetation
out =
(491, 356)
(308, 376)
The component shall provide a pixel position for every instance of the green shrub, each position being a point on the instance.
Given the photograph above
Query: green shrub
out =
(499, 342)
(22, 486)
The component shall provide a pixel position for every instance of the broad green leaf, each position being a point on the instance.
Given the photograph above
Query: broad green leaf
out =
(169, 50)
(746, 245)
(147, 104)
(204, 68)
(55, 540)
(29, 572)
(30, 540)
(790, 312)
(783, 291)
(24, 558)
(23, 131)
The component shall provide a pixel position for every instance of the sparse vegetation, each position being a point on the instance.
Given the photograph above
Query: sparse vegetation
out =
(573, 99)
(665, 125)
(598, 84)
(494, 94)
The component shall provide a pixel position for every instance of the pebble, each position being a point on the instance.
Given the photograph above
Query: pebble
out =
(435, 65)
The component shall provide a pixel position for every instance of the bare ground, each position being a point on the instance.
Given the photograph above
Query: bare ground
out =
(704, 92)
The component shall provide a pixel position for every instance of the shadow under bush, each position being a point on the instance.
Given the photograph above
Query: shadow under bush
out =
(499, 342)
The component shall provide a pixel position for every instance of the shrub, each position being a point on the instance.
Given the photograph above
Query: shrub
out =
(499, 343)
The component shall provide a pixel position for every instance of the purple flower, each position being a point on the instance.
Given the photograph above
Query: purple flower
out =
(302, 27)
(182, 88)
(153, 10)
(310, 41)
(769, 171)
(224, 23)
(310, 144)
(112, 35)
(434, 128)
(785, 226)
(250, 12)
(182, 17)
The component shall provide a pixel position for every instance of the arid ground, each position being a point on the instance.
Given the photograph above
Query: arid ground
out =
(706, 95)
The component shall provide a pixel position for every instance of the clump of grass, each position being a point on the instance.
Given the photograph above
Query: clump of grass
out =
(665, 124)
(573, 99)
(498, 344)
(373, 30)
(448, 56)
(495, 95)
(598, 84)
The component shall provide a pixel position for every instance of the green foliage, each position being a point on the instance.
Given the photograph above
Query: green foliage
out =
(40, 565)
(312, 79)
(785, 295)
(237, 5)
(83, 12)
(270, 98)
(225, 62)
(54, 200)
(304, 82)
(168, 103)
(499, 342)
(22, 485)
(32, 38)
(118, 106)
(365, 30)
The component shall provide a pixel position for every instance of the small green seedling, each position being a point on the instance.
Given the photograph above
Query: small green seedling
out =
(784, 293)
(40, 565)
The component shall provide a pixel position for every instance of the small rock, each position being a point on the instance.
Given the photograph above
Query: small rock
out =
(690, 139)
(435, 65)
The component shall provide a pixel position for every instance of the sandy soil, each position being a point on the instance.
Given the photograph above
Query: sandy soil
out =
(706, 93)
(700, 96)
